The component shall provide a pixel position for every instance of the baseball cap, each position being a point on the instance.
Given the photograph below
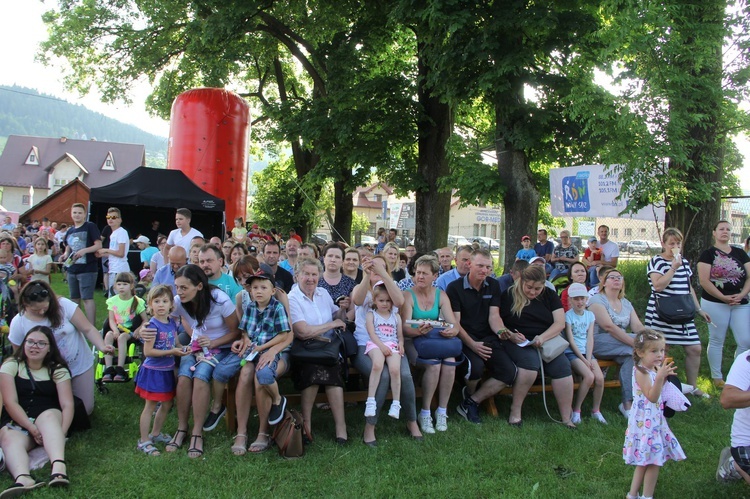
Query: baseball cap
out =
(143, 273)
(592, 239)
(142, 239)
(537, 259)
(525, 237)
(577, 289)
(264, 272)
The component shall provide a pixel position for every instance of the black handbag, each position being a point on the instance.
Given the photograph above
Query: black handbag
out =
(675, 309)
(324, 349)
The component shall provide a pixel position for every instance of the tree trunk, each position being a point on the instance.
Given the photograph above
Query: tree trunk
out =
(521, 198)
(434, 128)
(700, 26)
(344, 205)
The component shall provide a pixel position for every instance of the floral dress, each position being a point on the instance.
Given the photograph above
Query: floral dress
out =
(648, 439)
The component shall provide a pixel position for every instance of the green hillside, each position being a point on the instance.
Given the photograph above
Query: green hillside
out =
(24, 111)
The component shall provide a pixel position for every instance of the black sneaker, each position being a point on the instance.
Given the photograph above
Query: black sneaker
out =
(469, 410)
(277, 412)
(213, 419)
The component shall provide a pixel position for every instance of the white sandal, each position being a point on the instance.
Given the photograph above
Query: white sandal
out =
(148, 448)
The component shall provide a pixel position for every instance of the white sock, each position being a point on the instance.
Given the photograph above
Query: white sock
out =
(424, 412)
(441, 410)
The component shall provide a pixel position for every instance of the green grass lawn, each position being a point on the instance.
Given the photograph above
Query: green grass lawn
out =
(542, 460)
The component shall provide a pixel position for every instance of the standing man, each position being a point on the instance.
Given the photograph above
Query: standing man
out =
(475, 300)
(734, 462)
(119, 241)
(293, 235)
(82, 242)
(610, 253)
(211, 260)
(183, 234)
(292, 249)
(20, 239)
(463, 261)
(392, 233)
(271, 253)
(8, 225)
(544, 248)
(410, 251)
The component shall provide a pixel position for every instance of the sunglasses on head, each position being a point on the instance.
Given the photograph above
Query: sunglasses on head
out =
(40, 294)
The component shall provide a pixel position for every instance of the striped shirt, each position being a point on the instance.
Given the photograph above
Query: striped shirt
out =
(675, 334)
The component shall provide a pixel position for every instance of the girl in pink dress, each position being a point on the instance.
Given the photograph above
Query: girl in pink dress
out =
(649, 442)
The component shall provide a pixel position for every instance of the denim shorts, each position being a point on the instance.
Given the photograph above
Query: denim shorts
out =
(228, 367)
(268, 375)
(81, 286)
(571, 356)
(203, 370)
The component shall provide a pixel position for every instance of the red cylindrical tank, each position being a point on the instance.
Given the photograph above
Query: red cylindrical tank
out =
(208, 141)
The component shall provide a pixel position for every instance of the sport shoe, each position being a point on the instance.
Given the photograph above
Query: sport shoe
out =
(441, 422)
(425, 424)
(623, 411)
(598, 416)
(213, 419)
(2, 461)
(469, 410)
(370, 408)
(395, 409)
(575, 417)
(726, 471)
(276, 414)
(161, 438)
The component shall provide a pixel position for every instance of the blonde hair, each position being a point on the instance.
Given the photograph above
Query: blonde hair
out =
(532, 273)
(603, 282)
(383, 252)
(642, 341)
(672, 232)
(379, 290)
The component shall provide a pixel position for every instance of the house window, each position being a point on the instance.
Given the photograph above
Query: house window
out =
(628, 232)
(109, 162)
(614, 232)
(379, 198)
(33, 157)
(476, 230)
(59, 182)
(643, 230)
(25, 200)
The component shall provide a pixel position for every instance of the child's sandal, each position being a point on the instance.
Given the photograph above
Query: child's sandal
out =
(148, 448)
(58, 479)
(109, 373)
(121, 375)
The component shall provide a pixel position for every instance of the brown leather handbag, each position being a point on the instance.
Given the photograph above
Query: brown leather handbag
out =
(288, 435)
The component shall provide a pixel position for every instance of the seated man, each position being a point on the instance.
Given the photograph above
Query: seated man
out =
(734, 463)
(176, 257)
(475, 300)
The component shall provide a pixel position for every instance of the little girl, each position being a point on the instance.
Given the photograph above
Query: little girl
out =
(382, 239)
(386, 345)
(124, 309)
(155, 379)
(40, 262)
(649, 442)
(579, 328)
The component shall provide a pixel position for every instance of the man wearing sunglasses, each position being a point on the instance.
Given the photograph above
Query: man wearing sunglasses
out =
(82, 241)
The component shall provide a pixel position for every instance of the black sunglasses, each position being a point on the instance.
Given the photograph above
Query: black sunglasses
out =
(40, 294)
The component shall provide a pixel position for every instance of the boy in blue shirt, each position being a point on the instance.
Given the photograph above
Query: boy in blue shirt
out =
(527, 252)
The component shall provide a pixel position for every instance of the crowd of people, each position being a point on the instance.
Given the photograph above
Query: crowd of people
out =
(255, 306)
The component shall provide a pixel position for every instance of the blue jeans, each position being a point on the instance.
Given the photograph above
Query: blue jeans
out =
(204, 370)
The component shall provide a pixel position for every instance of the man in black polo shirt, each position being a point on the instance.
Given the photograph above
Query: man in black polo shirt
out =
(283, 278)
(475, 300)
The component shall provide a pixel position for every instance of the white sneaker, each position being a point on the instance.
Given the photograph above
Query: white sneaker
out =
(395, 410)
(575, 417)
(425, 424)
(370, 408)
(726, 471)
(598, 416)
(687, 389)
(2, 461)
(623, 411)
(441, 422)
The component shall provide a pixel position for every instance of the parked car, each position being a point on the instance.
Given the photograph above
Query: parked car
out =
(487, 243)
(319, 239)
(456, 241)
(643, 247)
(622, 246)
(369, 240)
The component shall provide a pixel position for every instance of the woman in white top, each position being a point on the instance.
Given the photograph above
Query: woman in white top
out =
(38, 306)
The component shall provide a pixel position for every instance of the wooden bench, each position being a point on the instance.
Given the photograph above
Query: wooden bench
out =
(611, 380)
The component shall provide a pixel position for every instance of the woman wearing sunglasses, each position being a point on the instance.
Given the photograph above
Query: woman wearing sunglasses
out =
(39, 306)
(38, 410)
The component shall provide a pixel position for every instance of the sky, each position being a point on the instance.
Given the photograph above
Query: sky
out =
(22, 22)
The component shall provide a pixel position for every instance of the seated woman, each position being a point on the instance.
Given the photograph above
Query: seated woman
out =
(533, 312)
(375, 270)
(426, 302)
(338, 285)
(313, 313)
(39, 306)
(38, 409)
(614, 314)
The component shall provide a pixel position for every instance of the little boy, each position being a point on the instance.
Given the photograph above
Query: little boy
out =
(527, 252)
(592, 253)
(268, 338)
